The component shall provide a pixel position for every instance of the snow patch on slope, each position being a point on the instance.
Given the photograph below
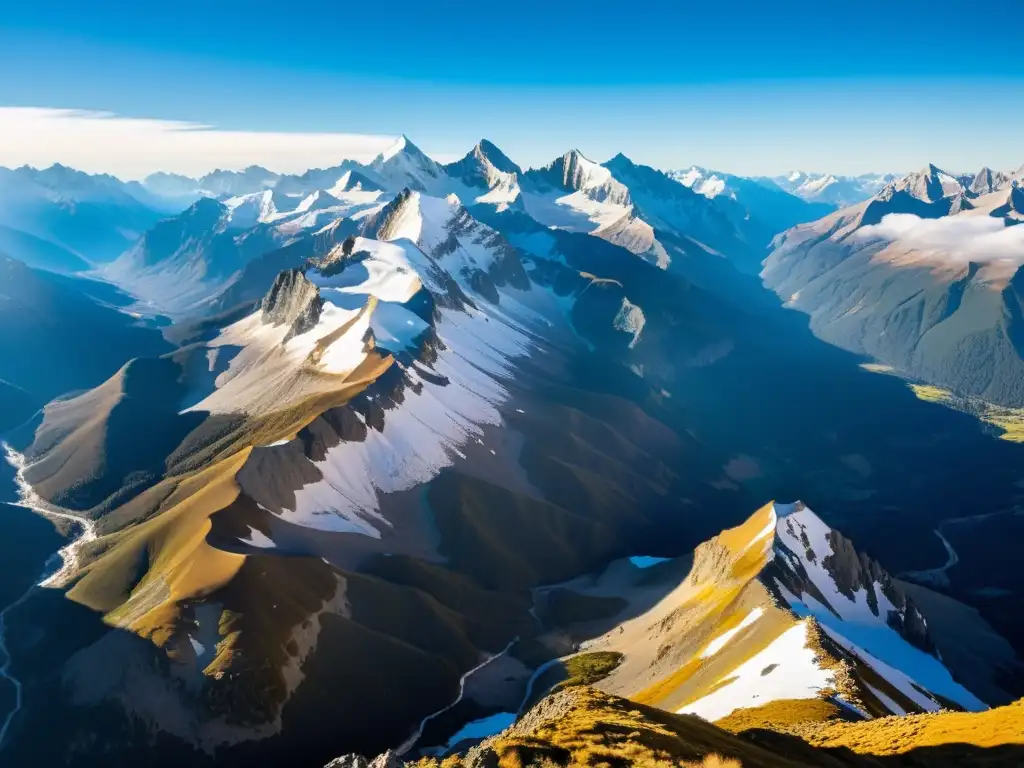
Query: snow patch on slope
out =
(426, 433)
(630, 319)
(258, 539)
(723, 639)
(786, 669)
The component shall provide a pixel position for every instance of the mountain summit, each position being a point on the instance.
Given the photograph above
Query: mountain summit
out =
(783, 607)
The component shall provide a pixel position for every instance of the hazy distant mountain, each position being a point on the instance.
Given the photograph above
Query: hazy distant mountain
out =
(59, 333)
(231, 183)
(40, 253)
(986, 180)
(186, 259)
(775, 209)
(80, 217)
(840, 191)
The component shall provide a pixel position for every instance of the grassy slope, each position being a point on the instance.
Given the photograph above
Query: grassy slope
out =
(899, 735)
(585, 727)
(1009, 421)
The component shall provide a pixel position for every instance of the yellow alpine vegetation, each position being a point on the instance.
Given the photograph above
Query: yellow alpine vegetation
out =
(149, 568)
(582, 727)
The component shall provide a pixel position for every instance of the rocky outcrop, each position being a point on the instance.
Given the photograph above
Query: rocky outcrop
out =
(381, 225)
(389, 759)
(852, 571)
(292, 300)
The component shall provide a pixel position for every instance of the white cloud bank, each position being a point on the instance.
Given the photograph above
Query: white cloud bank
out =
(131, 148)
(969, 238)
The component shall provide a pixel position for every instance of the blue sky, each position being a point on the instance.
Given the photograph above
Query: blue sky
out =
(749, 87)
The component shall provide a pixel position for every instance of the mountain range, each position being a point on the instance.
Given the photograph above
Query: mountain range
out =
(227, 219)
(66, 220)
(840, 191)
(924, 277)
(387, 456)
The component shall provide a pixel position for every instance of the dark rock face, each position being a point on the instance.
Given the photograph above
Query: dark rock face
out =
(852, 570)
(572, 173)
(379, 225)
(292, 300)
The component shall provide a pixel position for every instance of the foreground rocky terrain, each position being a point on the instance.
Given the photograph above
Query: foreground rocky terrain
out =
(582, 726)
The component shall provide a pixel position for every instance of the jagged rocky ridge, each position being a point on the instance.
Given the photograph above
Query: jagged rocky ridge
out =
(293, 301)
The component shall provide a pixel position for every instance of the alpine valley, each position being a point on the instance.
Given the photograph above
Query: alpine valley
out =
(468, 464)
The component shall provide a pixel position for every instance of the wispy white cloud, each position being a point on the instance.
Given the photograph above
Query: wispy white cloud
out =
(134, 147)
(967, 237)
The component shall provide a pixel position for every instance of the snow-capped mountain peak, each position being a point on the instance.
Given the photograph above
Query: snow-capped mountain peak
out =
(487, 175)
(406, 165)
(401, 144)
(784, 607)
(488, 152)
(257, 207)
(573, 172)
(317, 200)
(928, 185)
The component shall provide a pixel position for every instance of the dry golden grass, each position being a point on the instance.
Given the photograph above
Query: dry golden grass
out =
(896, 735)
(138, 582)
(1009, 420)
(664, 688)
(932, 394)
(588, 668)
(736, 539)
(585, 728)
(140, 575)
(724, 588)
(782, 715)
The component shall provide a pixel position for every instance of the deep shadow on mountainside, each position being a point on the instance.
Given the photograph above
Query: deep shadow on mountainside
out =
(60, 334)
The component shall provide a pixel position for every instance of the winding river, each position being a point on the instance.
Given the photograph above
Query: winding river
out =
(45, 573)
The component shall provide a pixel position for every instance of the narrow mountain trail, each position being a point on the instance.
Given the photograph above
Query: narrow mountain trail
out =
(29, 499)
